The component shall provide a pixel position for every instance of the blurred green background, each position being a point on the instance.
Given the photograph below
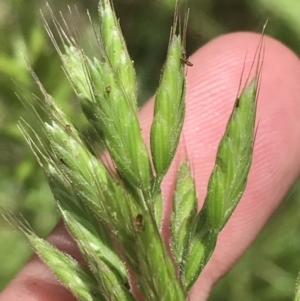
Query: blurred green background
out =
(269, 269)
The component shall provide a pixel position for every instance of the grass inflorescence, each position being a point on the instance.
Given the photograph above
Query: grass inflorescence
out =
(113, 207)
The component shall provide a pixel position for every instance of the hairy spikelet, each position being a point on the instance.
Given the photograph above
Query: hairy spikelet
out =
(184, 212)
(226, 185)
(169, 108)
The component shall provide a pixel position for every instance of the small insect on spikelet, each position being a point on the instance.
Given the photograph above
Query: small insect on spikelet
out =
(102, 208)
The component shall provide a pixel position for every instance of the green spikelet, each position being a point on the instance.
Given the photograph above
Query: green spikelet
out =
(229, 177)
(184, 212)
(169, 108)
(226, 185)
(70, 273)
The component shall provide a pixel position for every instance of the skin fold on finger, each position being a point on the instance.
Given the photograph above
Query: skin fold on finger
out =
(212, 87)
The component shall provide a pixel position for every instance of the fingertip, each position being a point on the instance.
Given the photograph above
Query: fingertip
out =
(212, 87)
(276, 161)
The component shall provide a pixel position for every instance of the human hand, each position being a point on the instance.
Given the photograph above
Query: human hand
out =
(212, 86)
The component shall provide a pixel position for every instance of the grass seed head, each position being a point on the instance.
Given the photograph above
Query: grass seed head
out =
(113, 116)
(169, 108)
(100, 208)
(115, 51)
(184, 212)
(226, 184)
(69, 272)
(229, 177)
(105, 265)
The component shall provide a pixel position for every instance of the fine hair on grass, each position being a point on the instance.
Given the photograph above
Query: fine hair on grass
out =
(112, 205)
